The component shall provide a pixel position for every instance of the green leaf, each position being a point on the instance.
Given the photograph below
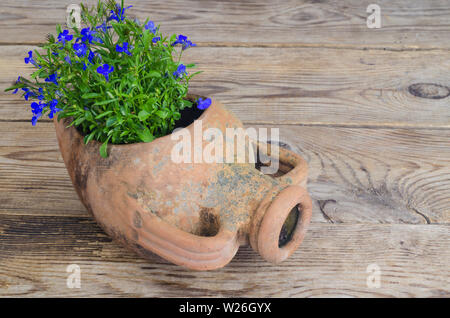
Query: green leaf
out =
(103, 114)
(145, 135)
(143, 115)
(91, 95)
(162, 113)
(111, 121)
(187, 103)
(153, 74)
(103, 149)
(104, 102)
(176, 115)
(88, 116)
(88, 138)
(79, 121)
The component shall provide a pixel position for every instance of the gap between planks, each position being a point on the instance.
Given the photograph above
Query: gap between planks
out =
(355, 175)
(378, 47)
(332, 260)
(311, 87)
(304, 124)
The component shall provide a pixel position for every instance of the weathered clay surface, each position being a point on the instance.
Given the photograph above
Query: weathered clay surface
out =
(192, 214)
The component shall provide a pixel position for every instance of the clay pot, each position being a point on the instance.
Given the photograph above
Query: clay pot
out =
(192, 214)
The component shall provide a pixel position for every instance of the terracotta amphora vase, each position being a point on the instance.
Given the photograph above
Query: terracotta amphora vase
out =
(192, 214)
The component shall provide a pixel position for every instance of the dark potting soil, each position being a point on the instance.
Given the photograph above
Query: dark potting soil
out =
(188, 115)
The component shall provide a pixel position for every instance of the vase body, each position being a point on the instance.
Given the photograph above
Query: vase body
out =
(192, 213)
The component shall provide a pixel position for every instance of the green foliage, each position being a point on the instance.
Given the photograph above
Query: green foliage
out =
(138, 101)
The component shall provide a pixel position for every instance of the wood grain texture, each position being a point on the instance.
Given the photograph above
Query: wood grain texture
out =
(356, 175)
(406, 24)
(376, 175)
(332, 261)
(308, 86)
(367, 108)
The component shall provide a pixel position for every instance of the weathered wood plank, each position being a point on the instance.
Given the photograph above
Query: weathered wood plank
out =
(310, 86)
(405, 23)
(376, 175)
(356, 175)
(332, 261)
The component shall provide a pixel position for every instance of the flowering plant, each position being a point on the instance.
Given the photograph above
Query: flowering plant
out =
(118, 80)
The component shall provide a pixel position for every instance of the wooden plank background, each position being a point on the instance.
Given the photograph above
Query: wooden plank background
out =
(367, 108)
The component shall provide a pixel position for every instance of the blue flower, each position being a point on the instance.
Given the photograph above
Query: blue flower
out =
(89, 35)
(91, 56)
(104, 27)
(150, 26)
(156, 39)
(80, 49)
(41, 91)
(105, 70)
(36, 109)
(34, 120)
(53, 108)
(123, 49)
(28, 93)
(30, 59)
(17, 82)
(185, 43)
(67, 59)
(64, 37)
(203, 103)
(55, 54)
(181, 70)
(118, 14)
(52, 79)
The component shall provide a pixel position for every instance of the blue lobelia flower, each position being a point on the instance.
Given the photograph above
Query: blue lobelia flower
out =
(41, 95)
(67, 59)
(203, 103)
(123, 49)
(150, 26)
(89, 35)
(118, 14)
(28, 93)
(91, 56)
(181, 70)
(52, 79)
(156, 39)
(185, 43)
(53, 108)
(30, 59)
(34, 120)
(17, 82)
(104, 27)
(64, 37)
(80, 49)
(105, 70)
(36, 109)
